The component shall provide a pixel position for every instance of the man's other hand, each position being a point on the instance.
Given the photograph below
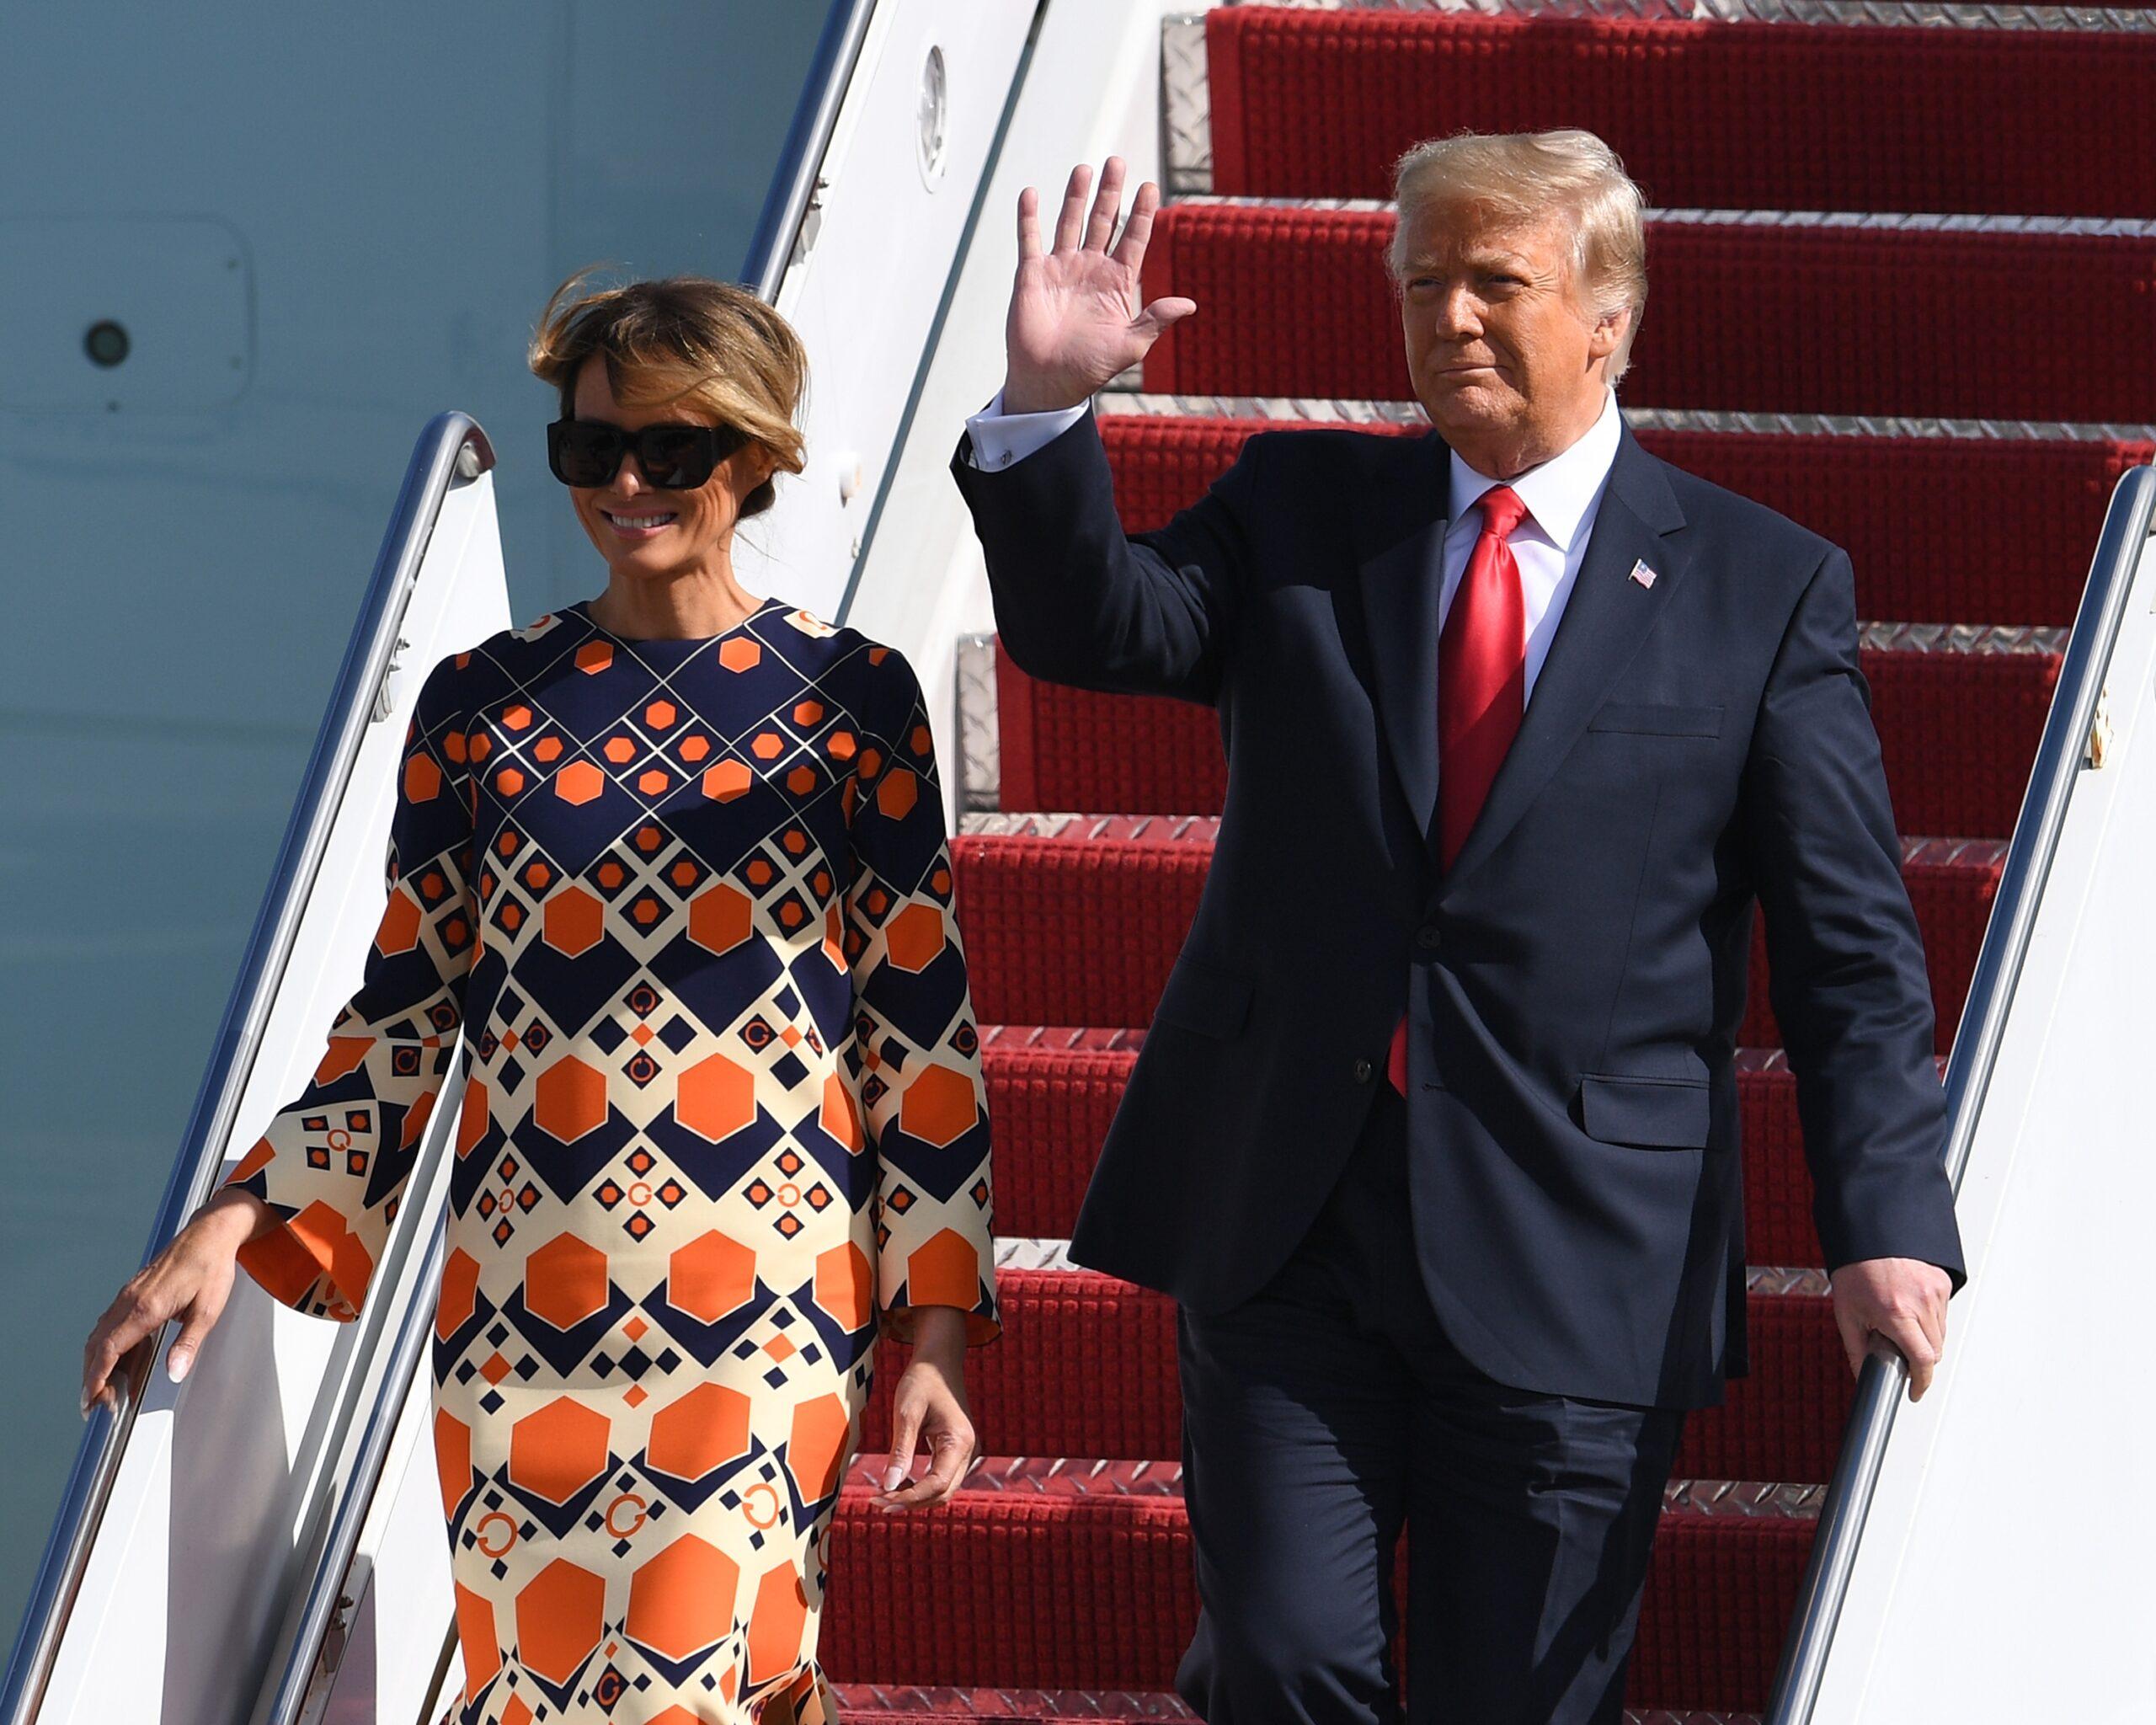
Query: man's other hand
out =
(1896, 1303)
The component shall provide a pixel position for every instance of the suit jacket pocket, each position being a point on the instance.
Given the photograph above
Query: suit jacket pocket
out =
(1202, 997)
(1665, 1113)
(1655, 720)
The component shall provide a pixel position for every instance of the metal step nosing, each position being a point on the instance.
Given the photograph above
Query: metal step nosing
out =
(1314, 410)
(872, 1703)
(1021, 1254)
(1099, 1040)
(1859, 220)
(1967, 640)
(1077, 1478)
(1854, 14)
(1078, 827)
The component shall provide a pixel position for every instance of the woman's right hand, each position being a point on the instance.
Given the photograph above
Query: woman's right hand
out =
(1074, 322)
(190, 1279)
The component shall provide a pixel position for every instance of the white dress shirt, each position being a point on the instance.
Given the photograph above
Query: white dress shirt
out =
(1562, 496)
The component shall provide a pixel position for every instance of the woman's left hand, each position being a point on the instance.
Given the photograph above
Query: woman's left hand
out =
(931, 1406)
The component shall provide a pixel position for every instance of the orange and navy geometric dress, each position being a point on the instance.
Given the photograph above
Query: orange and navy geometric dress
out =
(690, 902)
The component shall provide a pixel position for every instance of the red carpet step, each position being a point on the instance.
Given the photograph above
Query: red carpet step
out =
(1086, 1366)
(1959, 713)
(1817, 318)
(1718, 116)
(1052, 1092)
(1977, 529)
(1042, 1574)
(1075, 920)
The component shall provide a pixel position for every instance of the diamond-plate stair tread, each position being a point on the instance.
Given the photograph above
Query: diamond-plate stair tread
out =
(1940, 528)
(1021, 1252)
(1053, 1092)
(1319, 102)
(876, 1704)
(1959, 712)
(1922, 318)
(879, 1705)
(1036, 891)
(1087, 1365)
(1050, 1573)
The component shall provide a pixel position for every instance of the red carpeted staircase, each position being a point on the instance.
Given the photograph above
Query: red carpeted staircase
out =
(1902, 289)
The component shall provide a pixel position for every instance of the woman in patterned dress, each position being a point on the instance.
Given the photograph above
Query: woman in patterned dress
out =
(673, 859)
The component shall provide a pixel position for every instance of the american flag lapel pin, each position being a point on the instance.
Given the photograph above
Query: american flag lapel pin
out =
(1641, 573)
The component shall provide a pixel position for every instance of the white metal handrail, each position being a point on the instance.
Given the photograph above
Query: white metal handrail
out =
(793, 194)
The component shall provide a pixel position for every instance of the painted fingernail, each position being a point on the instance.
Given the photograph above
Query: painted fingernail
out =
(176, 1363)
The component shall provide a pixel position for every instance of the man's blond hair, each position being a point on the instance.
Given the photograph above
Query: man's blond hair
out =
(1524, 176)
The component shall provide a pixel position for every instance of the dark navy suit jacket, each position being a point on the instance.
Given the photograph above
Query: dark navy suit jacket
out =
(1575, 982)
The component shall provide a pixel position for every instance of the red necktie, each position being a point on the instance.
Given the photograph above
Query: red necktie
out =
(1481, 692)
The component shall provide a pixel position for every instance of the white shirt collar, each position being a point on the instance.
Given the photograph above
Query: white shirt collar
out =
(1560, 492)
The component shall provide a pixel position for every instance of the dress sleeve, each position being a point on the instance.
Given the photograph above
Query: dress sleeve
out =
(332, 1163)
(916, 1045)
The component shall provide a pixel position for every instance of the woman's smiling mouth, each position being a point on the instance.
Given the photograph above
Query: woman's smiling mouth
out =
(637, 526)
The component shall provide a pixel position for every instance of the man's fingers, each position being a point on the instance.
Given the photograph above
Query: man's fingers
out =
(1130, 249)
(1855, 1334)
(1029, 229)
(1070, 222)
(1894, 1303)
(1932, 1316)
(1168, 309)
(1908, 1334)
(1106, 203)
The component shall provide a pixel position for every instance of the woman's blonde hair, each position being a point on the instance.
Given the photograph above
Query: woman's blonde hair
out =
(683, 337)
(1527, 176)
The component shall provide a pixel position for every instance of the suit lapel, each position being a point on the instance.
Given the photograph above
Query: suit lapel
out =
(1605, 619)
(1402, 584)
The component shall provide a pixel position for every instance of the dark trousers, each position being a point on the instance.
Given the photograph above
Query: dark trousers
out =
(1329, 1408)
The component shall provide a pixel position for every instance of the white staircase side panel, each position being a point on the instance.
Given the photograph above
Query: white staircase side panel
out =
(2004, 1572)
(225, 1481)
(866, 289)
(1092, 90)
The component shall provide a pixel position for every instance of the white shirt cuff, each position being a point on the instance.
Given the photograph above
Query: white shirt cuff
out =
(1000, 438)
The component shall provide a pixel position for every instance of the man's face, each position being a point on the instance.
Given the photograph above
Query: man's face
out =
(1504, 355)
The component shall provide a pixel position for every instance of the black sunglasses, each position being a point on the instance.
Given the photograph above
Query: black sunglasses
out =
(673, 457)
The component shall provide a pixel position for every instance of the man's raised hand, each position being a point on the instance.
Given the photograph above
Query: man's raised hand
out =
(1075, 321)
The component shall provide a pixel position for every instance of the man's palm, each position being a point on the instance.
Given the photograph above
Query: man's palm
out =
(1074, 322)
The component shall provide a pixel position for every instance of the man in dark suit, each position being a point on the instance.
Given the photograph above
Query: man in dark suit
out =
(1434, 1134)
